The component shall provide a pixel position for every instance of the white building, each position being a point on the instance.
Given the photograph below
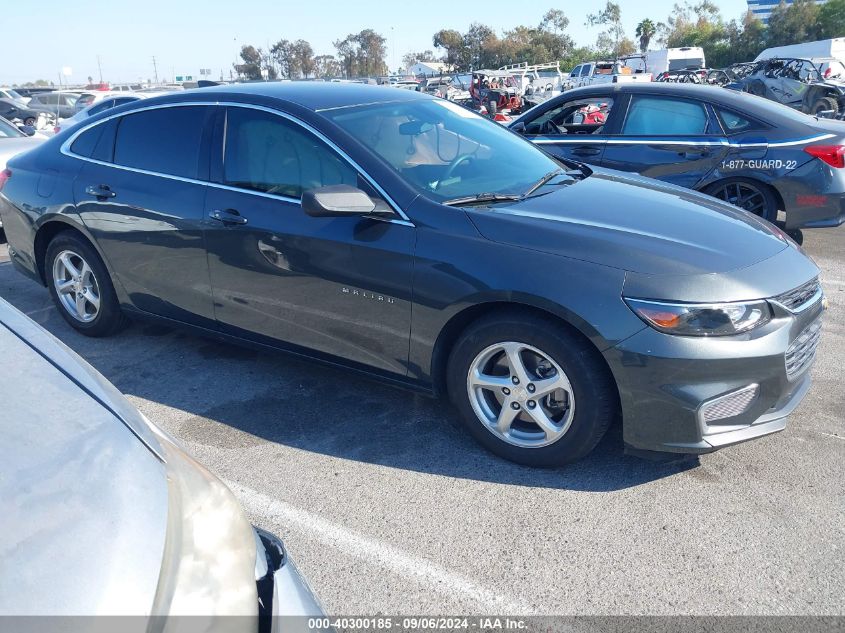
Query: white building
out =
(428, 69)
(763, 8)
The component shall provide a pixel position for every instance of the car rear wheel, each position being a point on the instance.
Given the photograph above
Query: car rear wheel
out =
(530, 390)
(751, 196)
(30, 120)
(825, 104)
(81, 287)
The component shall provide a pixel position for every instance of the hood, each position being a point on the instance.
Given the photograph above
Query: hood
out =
(635, 224)
(83, 502)
(12, 146)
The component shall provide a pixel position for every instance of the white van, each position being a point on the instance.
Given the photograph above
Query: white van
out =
(834, 48)
(658, 62)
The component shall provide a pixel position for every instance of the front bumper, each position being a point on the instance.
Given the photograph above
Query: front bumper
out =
(286, 602)
(685, 394)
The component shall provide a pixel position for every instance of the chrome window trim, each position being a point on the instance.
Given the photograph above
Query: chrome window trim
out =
(403, 219)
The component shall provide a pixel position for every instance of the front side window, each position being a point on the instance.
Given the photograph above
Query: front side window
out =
(265, 152)
(163, 140)
(655, 116)
(584, 116)
(444, 150)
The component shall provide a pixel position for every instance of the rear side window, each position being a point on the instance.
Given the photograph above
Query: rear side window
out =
(654, 116)
(265, 152)
(164, 140)
(96, 142)
(734, 122)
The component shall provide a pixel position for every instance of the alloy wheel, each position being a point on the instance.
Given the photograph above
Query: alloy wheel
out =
(744, 196)
(76, 286)
(520, 394)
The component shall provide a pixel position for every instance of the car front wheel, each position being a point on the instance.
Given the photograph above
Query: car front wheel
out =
(81, 287)
(530, 390)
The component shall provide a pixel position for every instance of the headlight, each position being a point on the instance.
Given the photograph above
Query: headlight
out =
(702, 319)
(209, 557)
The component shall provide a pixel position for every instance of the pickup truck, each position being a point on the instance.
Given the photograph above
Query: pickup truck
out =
(594, 73)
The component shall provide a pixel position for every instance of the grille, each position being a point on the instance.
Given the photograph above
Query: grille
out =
(730, 405)
(800, 297)
(802, 351)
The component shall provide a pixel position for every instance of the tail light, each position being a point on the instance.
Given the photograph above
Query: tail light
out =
(4, 176)
(833, 155)
(827, 73)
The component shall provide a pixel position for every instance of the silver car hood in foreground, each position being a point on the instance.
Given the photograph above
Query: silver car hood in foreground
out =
(83, 502)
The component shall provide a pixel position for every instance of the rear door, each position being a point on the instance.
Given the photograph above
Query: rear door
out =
(667, 138)
(141, 194)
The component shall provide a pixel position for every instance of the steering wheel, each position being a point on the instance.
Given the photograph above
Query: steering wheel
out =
(550, 127)
(453, 165)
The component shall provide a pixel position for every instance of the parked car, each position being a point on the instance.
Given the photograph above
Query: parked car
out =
(110, 101)
(406, 237)
(13, 95)
(112, 512)
(10, 110)
(14, 141)
(28, 92)
(830, 48)
(813, 86)
(748, 151)
(666, 60)
(62, 104)
(595, 73)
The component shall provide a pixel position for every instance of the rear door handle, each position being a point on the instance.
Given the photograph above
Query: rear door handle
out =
(100, 191)
(227, 216)
(586, 151)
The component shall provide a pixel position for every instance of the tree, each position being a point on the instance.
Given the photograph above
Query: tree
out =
(346, 52)
(611, 17)
(831, 19)
(556, 19)
(452, 42)
(251, 66)
(794, 23)
(282, 53)
(645, 31)
(326, 67)
(303, 56)
(372, 51)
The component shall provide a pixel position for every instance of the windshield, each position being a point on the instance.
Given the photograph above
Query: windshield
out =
(686, 62)
(7, 130)
(445, 150)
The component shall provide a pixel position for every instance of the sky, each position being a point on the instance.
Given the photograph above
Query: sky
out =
(186, 35)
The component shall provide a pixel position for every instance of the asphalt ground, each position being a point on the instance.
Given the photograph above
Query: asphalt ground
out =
(388, 507)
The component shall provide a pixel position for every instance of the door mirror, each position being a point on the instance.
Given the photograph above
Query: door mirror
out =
(336, 201)
(519, 127)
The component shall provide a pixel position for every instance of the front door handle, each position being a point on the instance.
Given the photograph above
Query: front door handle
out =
(227, 216)
(586, 151)
(101, 192)
(695, 153)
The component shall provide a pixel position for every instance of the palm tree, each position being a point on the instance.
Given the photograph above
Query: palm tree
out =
(645, 31)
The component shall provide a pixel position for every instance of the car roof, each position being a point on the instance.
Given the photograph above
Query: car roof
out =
(312, 95)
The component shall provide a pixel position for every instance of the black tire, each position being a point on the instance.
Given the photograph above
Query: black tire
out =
(732, 191)
(30, 120)
(109, 318)
(594, 392)
(824, 104)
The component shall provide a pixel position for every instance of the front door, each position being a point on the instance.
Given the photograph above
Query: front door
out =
(674, 140)
(341, 286)
(575, 130)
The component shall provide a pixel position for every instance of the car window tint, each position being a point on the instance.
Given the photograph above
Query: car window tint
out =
(265, 152)
(164, 140)
(86, 142)
(733, 122)
(103, 105)
(653, 116)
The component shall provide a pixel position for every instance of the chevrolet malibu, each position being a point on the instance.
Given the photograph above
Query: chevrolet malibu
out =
(105, 513)
(403, 236)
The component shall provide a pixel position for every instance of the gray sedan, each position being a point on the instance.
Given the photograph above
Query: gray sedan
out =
(101, 512)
